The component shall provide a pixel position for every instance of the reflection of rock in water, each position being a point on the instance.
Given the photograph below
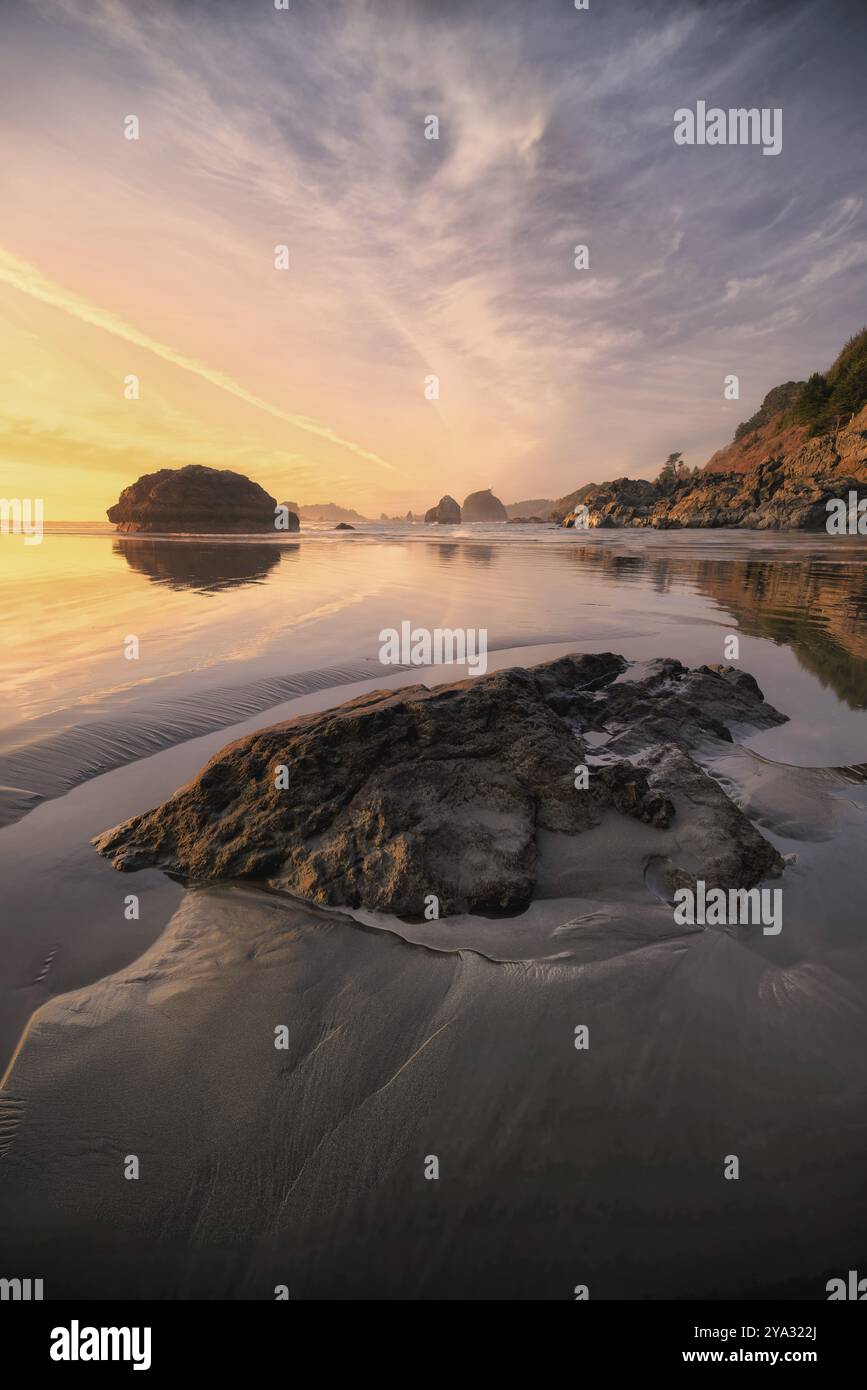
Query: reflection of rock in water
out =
(815, 605)
(480, 554)
(818, 608)
(203, 565)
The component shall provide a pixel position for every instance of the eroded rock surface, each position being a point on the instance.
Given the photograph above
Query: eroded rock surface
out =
(194, 499)
(483, 506)
(447, 512)
(397, 795)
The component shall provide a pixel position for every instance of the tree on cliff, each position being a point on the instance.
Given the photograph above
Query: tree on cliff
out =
(813, 402)
(830, 399)
(671, 473)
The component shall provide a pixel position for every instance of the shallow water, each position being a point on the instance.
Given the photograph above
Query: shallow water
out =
(214, 614)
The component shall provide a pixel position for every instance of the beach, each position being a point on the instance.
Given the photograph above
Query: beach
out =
(304, 1165)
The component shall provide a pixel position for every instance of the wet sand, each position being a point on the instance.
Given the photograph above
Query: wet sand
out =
(305, 1166)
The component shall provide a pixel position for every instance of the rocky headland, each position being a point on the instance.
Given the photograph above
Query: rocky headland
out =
(804, 446)
(784, 490)
(455, 791)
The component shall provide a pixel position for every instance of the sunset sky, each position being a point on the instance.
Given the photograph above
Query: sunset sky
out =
(411, 256)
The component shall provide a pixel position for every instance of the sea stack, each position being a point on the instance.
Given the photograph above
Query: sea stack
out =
(445, 513)
(483, 506)
(195, 499)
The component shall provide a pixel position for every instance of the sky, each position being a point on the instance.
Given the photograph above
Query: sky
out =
(411, 258)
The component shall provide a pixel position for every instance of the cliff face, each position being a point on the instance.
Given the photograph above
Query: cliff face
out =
(776, 436)
(772, 430)
(194, 499)
(787, 488)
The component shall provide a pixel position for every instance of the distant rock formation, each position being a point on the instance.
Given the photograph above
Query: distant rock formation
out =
(397, 795)
(194, 499)
(786, 490)
(623, 502)
(329, 511)
(287, 519)
(483, 506)
(564, 505)
(344, 526)
(445, 513)
(535, 508)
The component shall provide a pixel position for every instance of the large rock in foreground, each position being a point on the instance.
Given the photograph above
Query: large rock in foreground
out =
(398, 795)
(483, 506)
(194, 499)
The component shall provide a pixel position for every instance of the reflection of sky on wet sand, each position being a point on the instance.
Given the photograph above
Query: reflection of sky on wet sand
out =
(216, 612)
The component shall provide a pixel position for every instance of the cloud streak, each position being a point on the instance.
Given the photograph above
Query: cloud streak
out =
(29, 280)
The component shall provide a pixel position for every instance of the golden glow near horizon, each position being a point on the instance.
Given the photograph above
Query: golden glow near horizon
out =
(310, 380)
(74, 450)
